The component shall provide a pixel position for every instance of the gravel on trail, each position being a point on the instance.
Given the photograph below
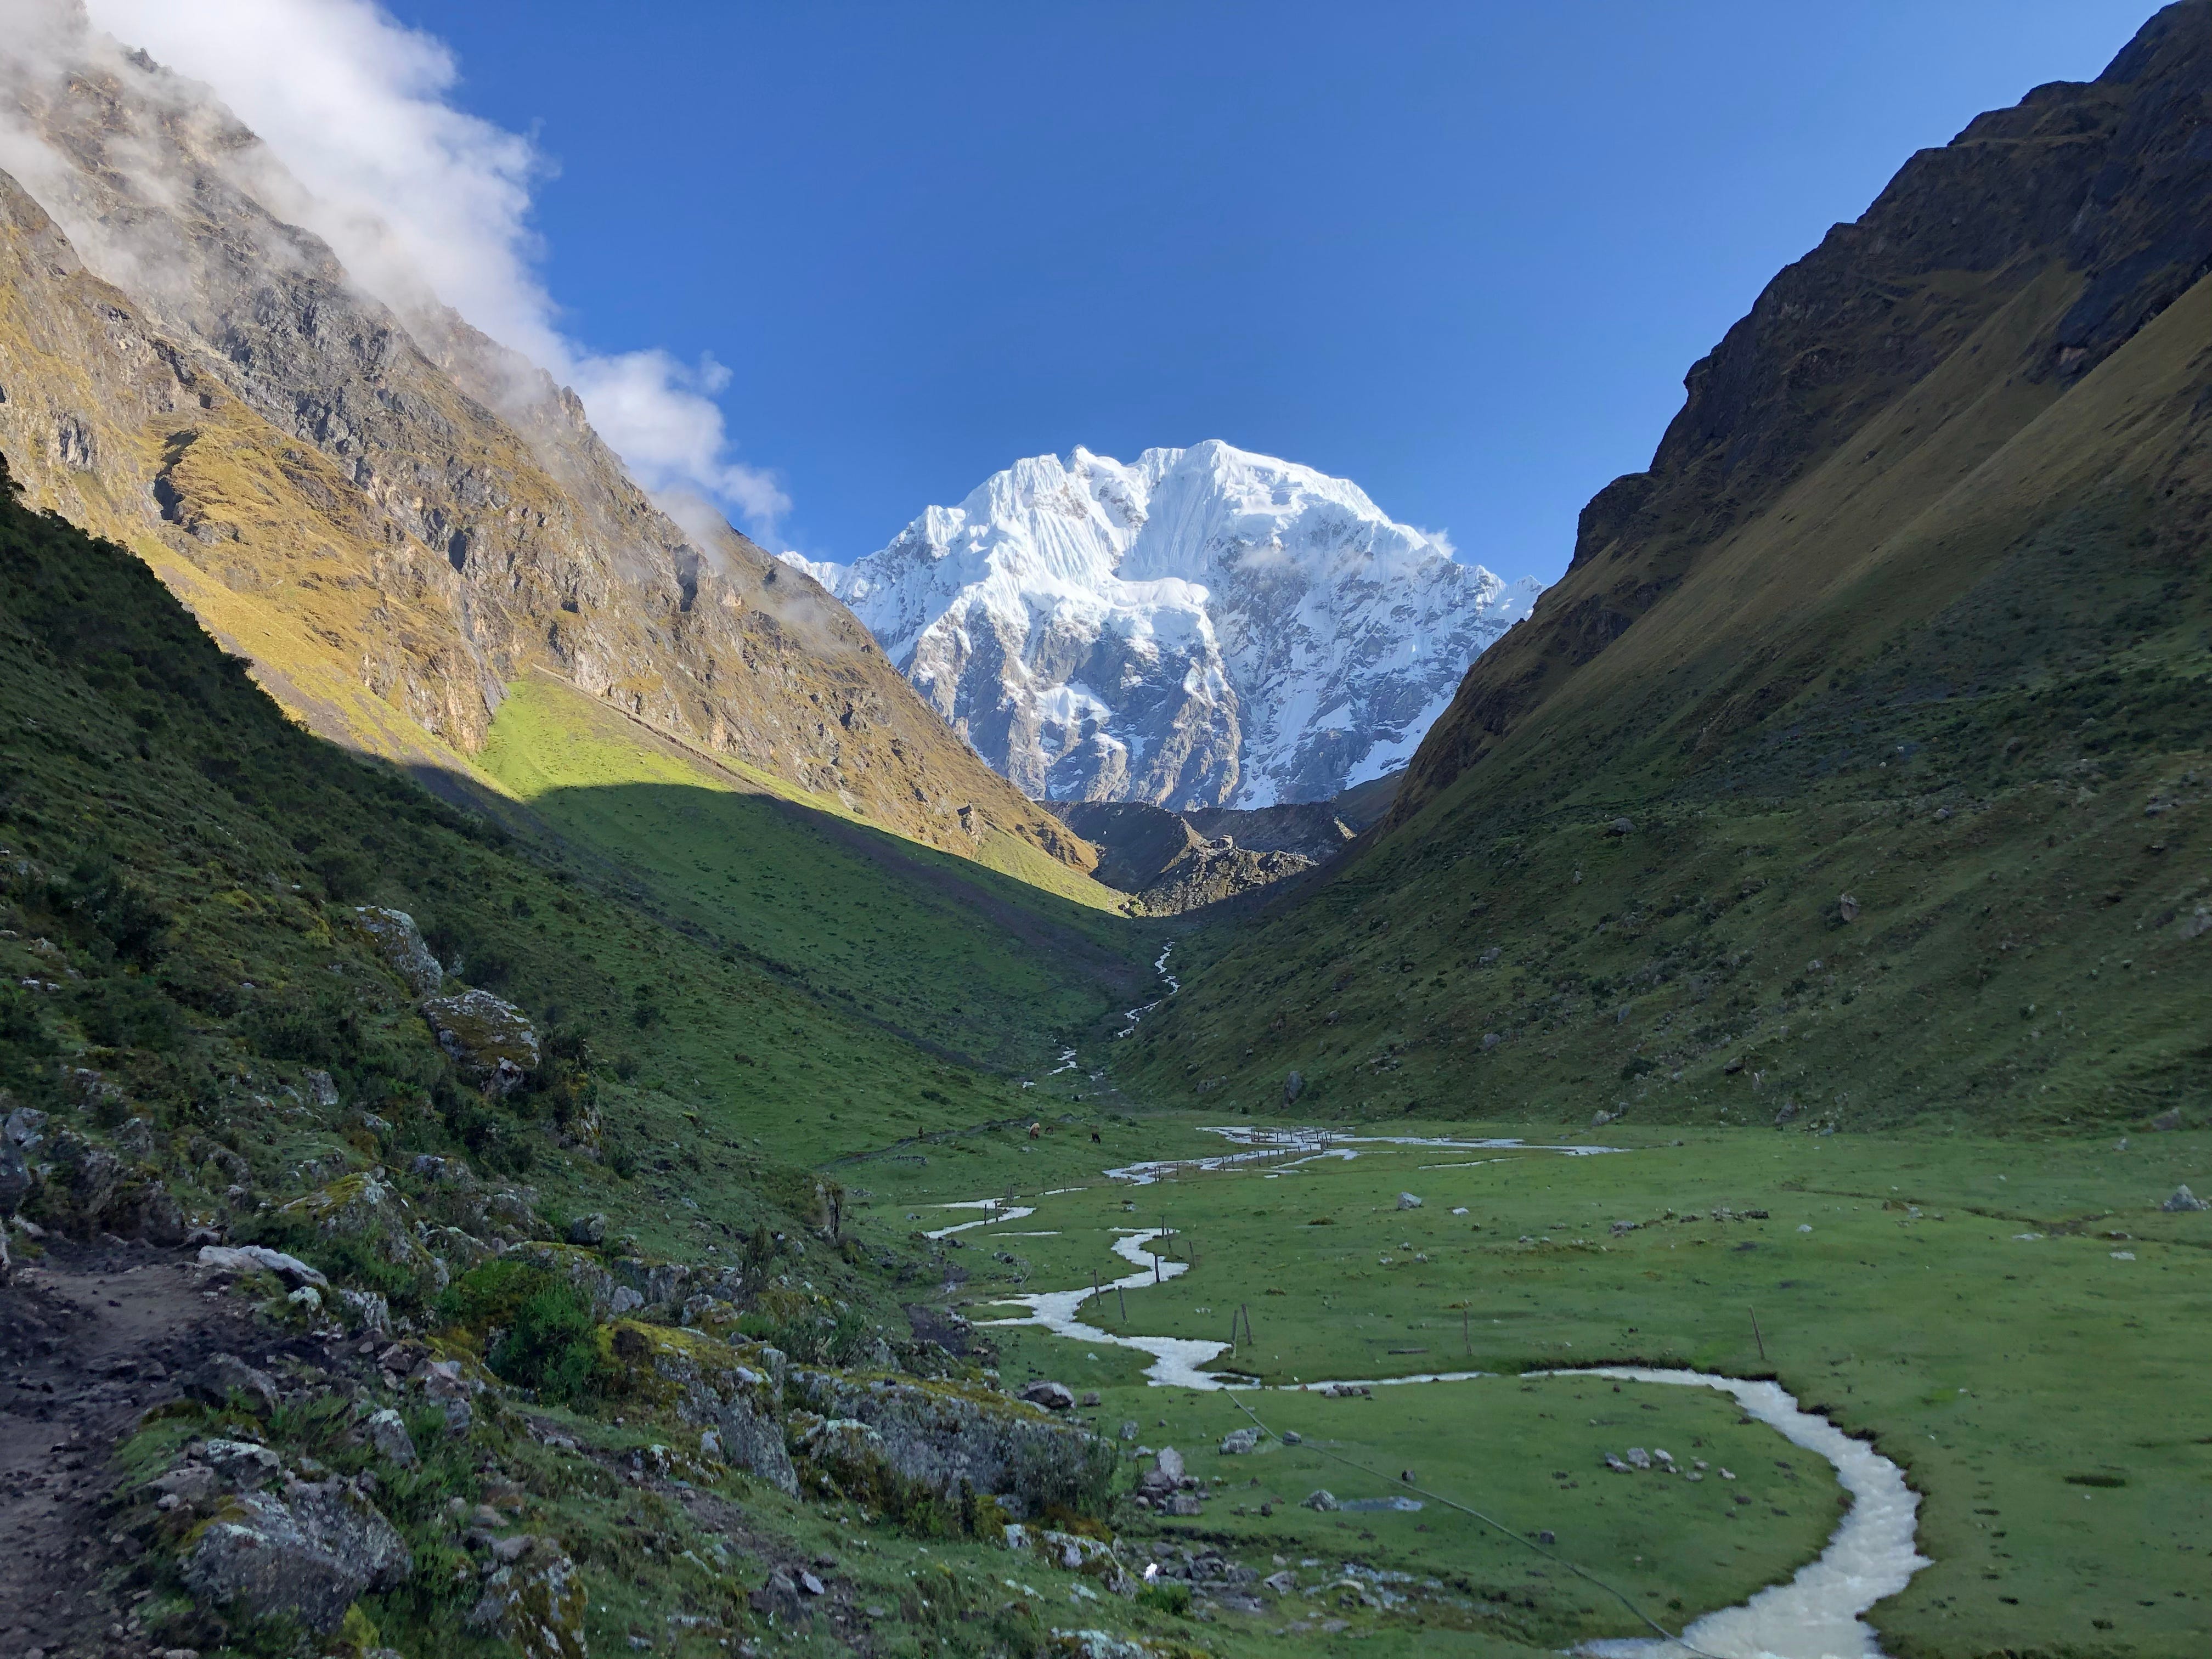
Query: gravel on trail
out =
(91, 1337)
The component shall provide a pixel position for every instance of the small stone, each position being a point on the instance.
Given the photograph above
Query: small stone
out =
(809, 1584)
(1128, 1430)
(1292, 1438)
(1090, 1397)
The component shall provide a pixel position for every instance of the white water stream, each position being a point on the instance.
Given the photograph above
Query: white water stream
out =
(1817, 1614)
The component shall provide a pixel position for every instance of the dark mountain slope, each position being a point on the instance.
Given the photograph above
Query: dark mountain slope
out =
(1911, 607)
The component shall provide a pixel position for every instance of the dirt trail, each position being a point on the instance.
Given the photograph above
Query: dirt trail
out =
(90, 1337)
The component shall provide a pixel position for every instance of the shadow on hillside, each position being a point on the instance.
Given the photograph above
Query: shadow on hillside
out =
(940, 951)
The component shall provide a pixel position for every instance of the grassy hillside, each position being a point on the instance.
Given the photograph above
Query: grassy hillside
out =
(893, 933)
(182, 866)
(1884, 799)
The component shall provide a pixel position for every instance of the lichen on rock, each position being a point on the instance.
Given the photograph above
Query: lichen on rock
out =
(489, 1038)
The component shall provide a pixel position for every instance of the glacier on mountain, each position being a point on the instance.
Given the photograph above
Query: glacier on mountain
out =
(1205, 627)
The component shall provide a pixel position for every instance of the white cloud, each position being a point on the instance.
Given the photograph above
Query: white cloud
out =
(410, 191)
(1439, 539)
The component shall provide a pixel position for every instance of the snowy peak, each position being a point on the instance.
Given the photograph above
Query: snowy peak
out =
(1203, 627)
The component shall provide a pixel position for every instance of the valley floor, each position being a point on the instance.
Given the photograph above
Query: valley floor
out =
(2016, 1325)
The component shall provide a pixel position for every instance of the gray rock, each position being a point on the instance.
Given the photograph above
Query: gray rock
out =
(367, 1312)
(135, 1141)
(241, 1465)
(1128, 1430)
(258, 1258)
(308, 1554)
(753, 1440)
(2169, 1119)
(321, 1089)
(225, 1374)
(1639, 1458)
(2184, 1200)
(1847, 907)
(1293, 1086)
(1237, 1442)
(1407, 1201)
(934, 1436)
(1185, 1503)
(1052, 1396)
(778, 1599)
(1284, 1581)
(1090, 1397)
(589, 1231)
(388, 1438)
(399, 942)
(489, 1038)
(1620, 827)
(535, 1603)
(1169, 1463)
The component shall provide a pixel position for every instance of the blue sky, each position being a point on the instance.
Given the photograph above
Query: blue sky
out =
(1461, 254)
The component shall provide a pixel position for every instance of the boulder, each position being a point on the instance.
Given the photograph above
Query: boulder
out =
(2184, 1200)
(779, 1600)
(1293, 1086)
(490, 1039)
(309, 1552)
(1407, 1201)
(224, 1375)
(1322, 1499)
(1052, 1396)
(1169, 1463)
(936, 1436)
(396, 940)
(388, 1438)
(2168, 1119)
(1237, 1442)
(368, 1210)
(258, 1258)
(589, 1231)
(535, 1604)
(241, 1465)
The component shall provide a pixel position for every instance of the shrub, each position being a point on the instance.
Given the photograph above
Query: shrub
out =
(549, 1347)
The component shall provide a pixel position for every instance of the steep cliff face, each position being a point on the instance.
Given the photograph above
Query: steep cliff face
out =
(1856, 770)
(392, 516)
(1991, 276)
(1199, 628)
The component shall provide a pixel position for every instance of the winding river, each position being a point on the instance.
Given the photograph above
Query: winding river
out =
(1816, 1614)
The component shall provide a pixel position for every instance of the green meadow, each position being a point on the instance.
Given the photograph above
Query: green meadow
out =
(2016, 1324)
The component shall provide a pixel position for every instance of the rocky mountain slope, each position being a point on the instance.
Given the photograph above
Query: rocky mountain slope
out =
(392, 517)
(1856, 767)
(1203, 627)
(394, 1215)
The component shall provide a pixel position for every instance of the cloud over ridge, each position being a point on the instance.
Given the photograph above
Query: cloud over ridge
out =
(414, 193)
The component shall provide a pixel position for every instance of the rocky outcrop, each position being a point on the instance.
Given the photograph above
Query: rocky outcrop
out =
(863, 1431)
(489, 1038)
(1218, 870)
(367, 1211)
(399, 942)
(535, 1604)
(308, 1552)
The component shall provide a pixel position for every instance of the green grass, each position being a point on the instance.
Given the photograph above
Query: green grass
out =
(975, 965)
(2038, 1392)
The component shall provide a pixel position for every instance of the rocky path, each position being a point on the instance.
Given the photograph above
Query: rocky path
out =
(89, 1339)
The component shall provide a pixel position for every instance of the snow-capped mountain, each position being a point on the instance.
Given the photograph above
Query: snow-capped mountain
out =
(1203, 627)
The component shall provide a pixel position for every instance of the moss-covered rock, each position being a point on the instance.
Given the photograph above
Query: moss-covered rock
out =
(400, 944)
(307, 1552)
(536, 1605)
(364, 1215)
(735, 1389)
(490, 1039)
(938, 1437)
